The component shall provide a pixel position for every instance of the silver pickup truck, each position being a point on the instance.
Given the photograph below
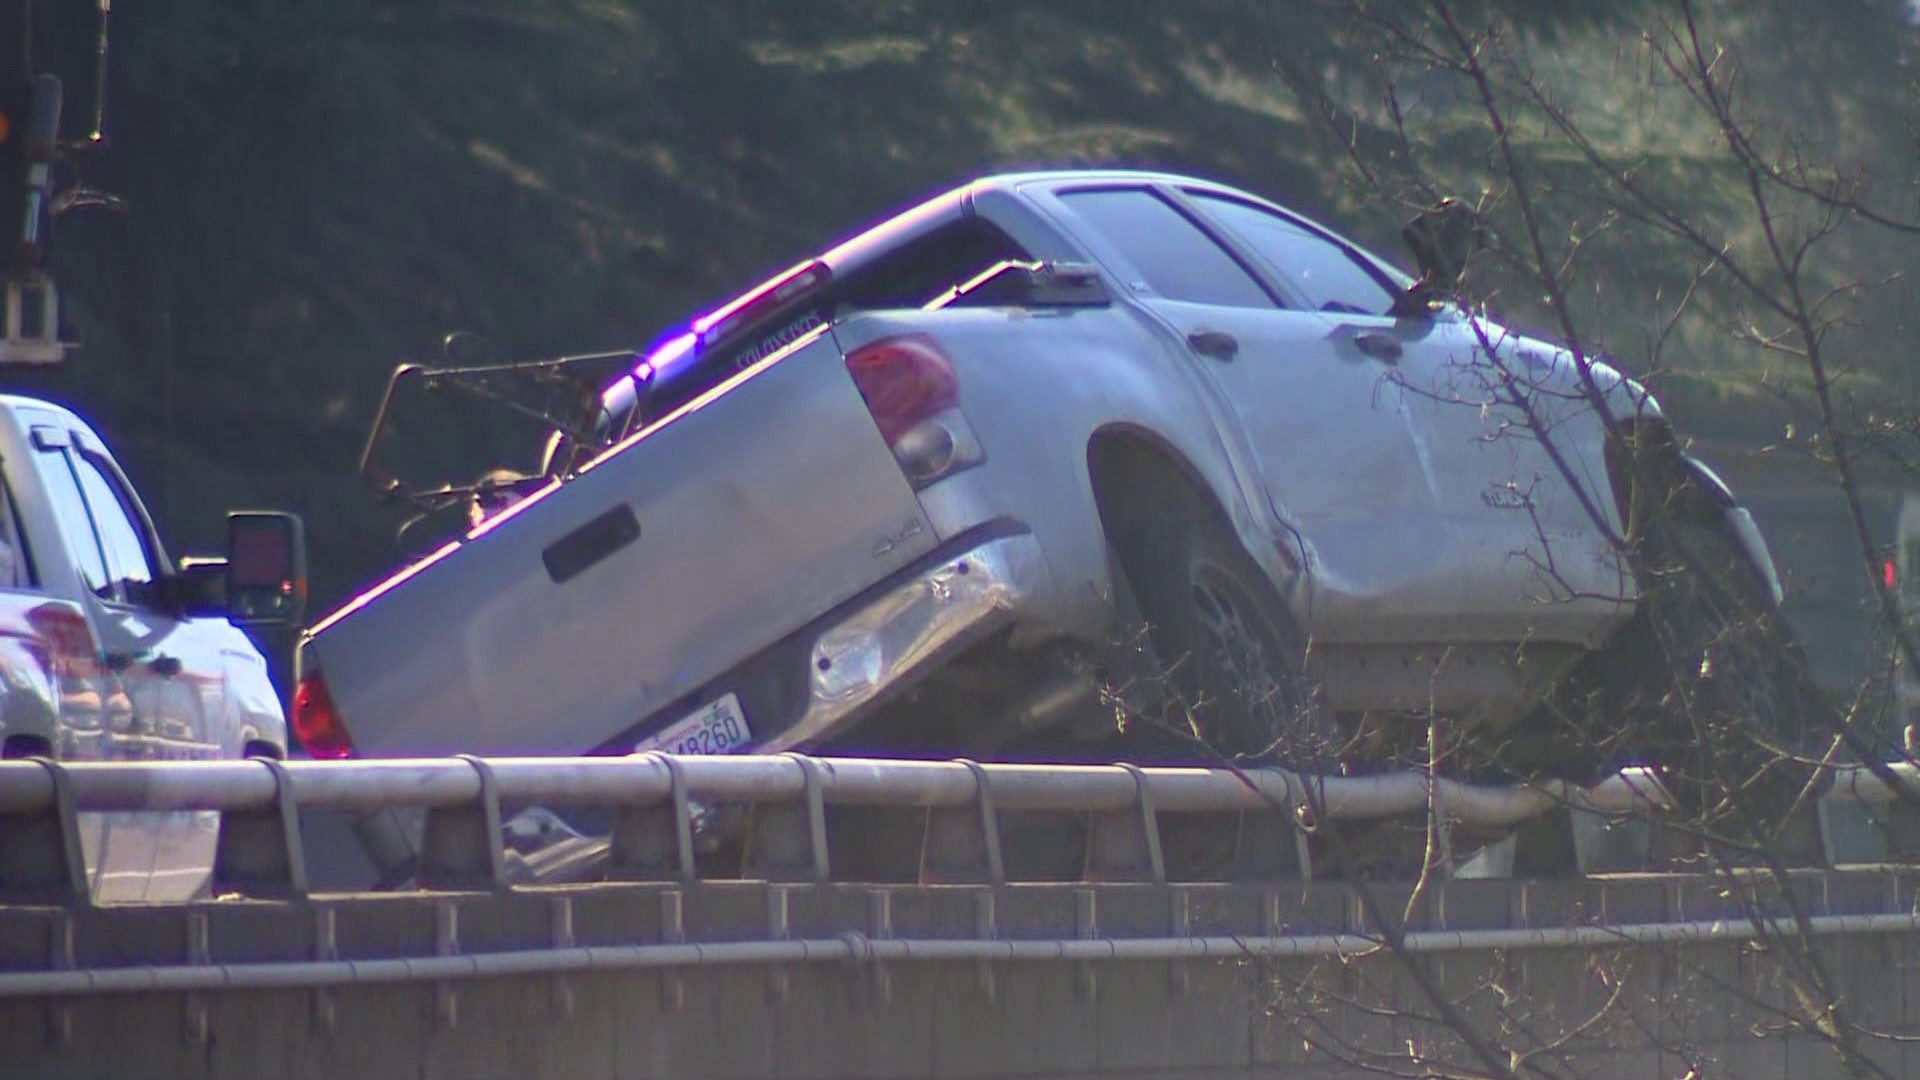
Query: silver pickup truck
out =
(111, 651)
(921, 491)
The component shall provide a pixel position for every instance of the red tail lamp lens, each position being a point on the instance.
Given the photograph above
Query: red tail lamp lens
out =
(904, 380)
(315, 721)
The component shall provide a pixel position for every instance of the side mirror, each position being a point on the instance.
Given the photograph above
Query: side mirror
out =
(1442, 239)
(266, 568)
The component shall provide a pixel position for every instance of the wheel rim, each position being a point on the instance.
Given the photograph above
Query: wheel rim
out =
(1248, 660)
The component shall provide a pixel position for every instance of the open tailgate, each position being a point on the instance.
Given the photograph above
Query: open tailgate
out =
(583, 611)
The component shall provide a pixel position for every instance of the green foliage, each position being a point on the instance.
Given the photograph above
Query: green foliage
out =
(318, 190)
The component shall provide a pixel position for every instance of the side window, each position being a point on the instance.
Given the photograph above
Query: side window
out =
(121, 538)
(70, 510)
(1176, 259)
(16, 563)
(1326, 275)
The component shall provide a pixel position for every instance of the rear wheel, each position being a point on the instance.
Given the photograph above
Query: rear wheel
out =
(1230, 655)
(1225, 669)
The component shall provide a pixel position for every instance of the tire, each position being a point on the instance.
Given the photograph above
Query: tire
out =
(1737, 705)
(1230, 656)
(1705, 683)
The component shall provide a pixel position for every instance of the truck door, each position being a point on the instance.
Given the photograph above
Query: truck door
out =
(1502, 525)
(1329, 430)
(167, 677)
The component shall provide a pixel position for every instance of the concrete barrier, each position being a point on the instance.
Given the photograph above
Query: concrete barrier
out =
(1626, 976)
(777, 963)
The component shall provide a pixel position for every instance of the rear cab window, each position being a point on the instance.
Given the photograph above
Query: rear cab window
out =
(1166, 251)
(907, 276)
(920, 271)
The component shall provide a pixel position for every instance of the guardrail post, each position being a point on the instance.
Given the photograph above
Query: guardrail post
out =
(880, 928)
(962, 844)
(779, 833)
(259, 852)
(986, 927)
(1124, 845)
(655, 843)
(461, 846)
(41, 861)
(673, 931)
(1179, 925)
(1086, 925)
(198, 1032)
(446, 942)
(60, 958)
(560, 997)
(779, 928)
(326, 949)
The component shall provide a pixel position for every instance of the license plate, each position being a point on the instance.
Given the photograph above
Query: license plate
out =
(718, 727)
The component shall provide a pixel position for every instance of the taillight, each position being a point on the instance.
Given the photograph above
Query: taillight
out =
(315, 721)
(910, 388)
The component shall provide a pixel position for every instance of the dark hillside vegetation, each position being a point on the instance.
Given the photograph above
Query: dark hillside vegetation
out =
(318, 190)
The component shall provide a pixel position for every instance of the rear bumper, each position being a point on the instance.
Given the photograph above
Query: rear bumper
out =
(815, 683)
(889, 639)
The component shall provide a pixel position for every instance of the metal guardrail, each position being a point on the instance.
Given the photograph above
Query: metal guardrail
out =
(653, 799)
(861, 950)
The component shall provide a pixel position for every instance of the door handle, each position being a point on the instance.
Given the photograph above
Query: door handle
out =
(1382, 347)
(165, 666)
(1215, 343)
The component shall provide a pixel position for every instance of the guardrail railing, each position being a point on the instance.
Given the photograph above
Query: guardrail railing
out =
(665, 815)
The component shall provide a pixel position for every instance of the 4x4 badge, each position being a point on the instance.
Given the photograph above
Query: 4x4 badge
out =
(1504, 497)
(888, 543)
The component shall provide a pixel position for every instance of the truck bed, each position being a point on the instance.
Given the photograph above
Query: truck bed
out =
(712, 532)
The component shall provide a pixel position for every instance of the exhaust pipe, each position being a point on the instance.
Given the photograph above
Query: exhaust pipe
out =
(1055, 699)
